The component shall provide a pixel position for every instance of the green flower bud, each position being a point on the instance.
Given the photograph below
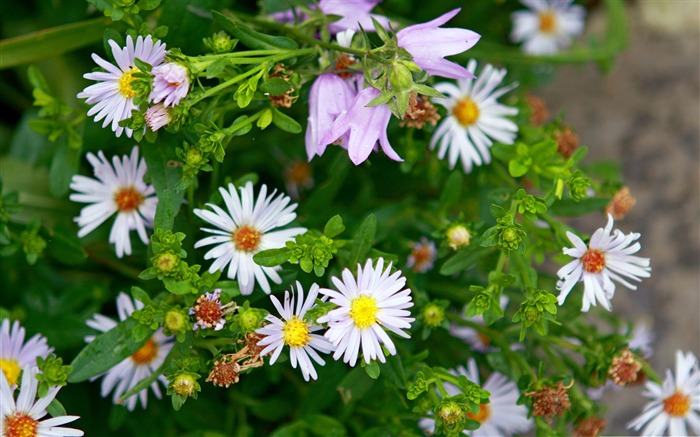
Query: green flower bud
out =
(400, 77)
(578, 185)
(450, 413)
(219, 43)
(175, 321)
(250, 319)
(458, 236)
(166, 262)
(433, 315)
(185, 384)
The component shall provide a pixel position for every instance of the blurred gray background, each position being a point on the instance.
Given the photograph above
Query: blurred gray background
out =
(645, 114)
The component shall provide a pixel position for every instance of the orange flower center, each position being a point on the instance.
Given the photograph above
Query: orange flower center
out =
(548, 22)
(128, 199)
(466, 112)
(677, 405)
(593, 261)
(483, 414)
(343, 64)
(246, 238)
(299, 172)
(20, 425)
(146, 354)
(208, 311)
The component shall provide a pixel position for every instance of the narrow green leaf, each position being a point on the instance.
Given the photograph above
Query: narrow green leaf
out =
(105, 352)
(49, 43)
(164, 176)
(569, 207)
(56, 409)
(252, 38)
(363, 239)
(275, 86)
(452, 191)
(64, 165)
(463, 260)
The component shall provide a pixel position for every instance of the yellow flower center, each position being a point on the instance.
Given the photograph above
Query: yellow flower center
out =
(466, 112)
(128, 199)
(593, 261)
(11, 370)
(363, 311)
(483, 414)
(548, 22)
(246, 238)
(296, 333)
(20, 425)
(146, 354)
(677, 405)
(125, 88)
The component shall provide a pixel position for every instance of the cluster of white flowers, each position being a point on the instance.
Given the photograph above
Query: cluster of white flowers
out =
(113, 94)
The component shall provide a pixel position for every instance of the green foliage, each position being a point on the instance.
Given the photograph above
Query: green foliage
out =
(538, 309)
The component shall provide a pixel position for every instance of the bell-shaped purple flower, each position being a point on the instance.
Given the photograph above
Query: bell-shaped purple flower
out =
(429, 44)
(365, 124)
(353, 13)
(329, 96)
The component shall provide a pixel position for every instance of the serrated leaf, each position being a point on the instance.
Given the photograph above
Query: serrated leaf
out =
(105, 351)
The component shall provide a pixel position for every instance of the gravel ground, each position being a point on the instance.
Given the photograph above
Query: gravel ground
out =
(645, 114)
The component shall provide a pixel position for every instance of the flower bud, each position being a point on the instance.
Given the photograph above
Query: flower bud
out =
(166, 262)
(433, 315)
(175, 321)
(458, 236)
(250, 319)
(185, 385)
(400, 77)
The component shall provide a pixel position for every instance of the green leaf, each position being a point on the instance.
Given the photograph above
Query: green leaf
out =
(373, 370)
(275, 86)
(452, 191)
(285, 122)
(186, 27)
(362, 241)
(149, 5)
(65, 247)
(463, 260)
(164, 177)
(179, 287)
(105, 351)
(334, 227)
(272, 257)
(517, 169)
(56, 409)
(64, 165)
(325, 426)
(252, 38)
(49, 43)
(569, 207)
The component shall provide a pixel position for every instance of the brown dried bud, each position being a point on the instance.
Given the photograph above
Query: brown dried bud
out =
(420, 111)
(567, 142)
(550, 401)
(624, 368)
(225, 372)
(590, 427)
(539, 114)
(621, 203)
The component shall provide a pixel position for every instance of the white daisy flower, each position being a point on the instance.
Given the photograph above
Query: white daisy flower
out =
(244, 231)
(113, 95)
(119, 188)
(641, 339)
(21, 417)
(502, 416)
(15, 354)
(607, 257)
(675, 405)
(548, 27)
(292, 330)
(139, 366)
(367, 305)
(475, 120)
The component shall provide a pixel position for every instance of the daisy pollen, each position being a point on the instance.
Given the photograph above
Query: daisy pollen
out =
(113, 94)
(139, 366)
(608, 256)
(293, 331)
(119, 188)
(475, 119)
(15, 353)
(246, 229)
(368, 304)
